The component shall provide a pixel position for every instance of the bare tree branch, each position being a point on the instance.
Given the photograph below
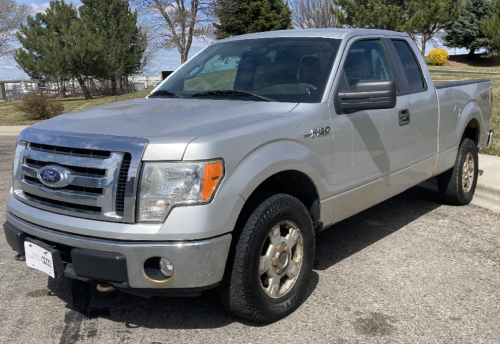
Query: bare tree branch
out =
(309, 14)
(174, 23)
(12, 16)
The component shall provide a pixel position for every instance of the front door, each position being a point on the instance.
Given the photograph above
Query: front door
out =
(370, 146)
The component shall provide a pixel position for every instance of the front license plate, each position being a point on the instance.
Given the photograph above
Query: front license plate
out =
(39, 258)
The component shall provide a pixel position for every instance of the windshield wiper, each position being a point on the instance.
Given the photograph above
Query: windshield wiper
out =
(231, 93)
(165, 93)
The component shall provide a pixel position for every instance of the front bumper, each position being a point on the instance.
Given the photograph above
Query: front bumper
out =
(489, 140)
(197, 264)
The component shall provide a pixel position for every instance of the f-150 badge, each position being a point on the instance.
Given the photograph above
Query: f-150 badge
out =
(317, 132)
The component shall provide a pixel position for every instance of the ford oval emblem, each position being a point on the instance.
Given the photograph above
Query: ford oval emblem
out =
(53, 176)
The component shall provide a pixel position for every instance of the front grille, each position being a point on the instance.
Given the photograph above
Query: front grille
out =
(82, 170)
(90, 153)
(122, 183)
(67, 205)
(84, 189)
(95, 180)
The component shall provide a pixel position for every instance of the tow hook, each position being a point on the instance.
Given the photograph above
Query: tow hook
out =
(105, 287)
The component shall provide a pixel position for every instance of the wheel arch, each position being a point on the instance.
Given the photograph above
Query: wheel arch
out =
(470, 123)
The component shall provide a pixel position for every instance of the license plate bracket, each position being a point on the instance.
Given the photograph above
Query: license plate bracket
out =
(51, 255)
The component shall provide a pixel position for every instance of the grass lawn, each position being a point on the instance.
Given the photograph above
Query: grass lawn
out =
(9, 115)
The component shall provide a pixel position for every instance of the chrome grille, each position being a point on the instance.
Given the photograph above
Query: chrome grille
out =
(90, 153)
(122, 184)
(92, 182)
(100, 173)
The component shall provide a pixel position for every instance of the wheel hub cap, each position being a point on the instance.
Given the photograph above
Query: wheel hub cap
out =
(281, 259)
(468, 172)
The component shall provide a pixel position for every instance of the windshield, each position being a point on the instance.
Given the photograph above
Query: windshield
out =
(280, 69)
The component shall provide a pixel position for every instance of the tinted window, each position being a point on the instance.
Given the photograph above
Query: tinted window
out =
(283, 69)
(410, 65)
(367, 61)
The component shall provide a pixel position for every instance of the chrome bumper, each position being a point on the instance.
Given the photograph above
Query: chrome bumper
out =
(196, 264)
(489, 140)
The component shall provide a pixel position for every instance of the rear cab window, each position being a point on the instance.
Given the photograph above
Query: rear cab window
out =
(410, 65)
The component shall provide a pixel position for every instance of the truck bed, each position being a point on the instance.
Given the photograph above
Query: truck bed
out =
(439, 84)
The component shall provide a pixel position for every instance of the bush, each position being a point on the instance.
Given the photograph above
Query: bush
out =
(438, 56)
(37, 107)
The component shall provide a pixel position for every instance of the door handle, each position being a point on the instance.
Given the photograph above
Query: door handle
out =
(404, 117)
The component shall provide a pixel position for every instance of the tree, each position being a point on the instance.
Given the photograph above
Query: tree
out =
(237, 17)
(491, 26)
(466, 31)
(372, 14)
(120, 39)
(307, 14)
(421, 19)
(56, 44)
(174, 23)
(429, 17)
(12, 16)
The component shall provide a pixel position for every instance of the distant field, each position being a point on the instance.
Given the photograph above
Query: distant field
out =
(9, 115)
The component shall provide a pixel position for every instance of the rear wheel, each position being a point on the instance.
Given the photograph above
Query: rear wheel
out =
(457, 185)
(272, 261)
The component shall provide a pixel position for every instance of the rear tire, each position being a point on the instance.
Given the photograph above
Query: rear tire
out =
(457, 185)
(273, 260)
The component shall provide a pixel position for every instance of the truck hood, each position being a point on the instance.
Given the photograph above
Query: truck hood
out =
(172, 122)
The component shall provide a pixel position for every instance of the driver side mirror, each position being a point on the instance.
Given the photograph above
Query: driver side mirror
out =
(369, 95)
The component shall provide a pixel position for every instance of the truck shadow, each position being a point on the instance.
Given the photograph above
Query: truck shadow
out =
(85, 302)
(352, 235)
(333, 245)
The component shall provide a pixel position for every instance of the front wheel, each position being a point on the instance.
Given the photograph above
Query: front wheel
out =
(272, 261)
(457, 185)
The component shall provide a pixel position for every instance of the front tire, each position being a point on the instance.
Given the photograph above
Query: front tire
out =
(273, 260)
(457, 185)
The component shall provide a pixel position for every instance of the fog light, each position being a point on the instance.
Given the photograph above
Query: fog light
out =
(166, 267)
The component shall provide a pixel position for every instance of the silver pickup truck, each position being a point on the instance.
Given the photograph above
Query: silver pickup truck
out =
(222, 176)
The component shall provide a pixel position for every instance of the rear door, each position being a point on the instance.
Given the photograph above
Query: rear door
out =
(423, 117)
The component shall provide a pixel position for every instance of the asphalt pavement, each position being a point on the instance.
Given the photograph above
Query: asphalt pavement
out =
(409, 270)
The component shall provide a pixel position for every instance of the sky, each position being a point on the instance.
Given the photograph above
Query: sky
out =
(163, 59)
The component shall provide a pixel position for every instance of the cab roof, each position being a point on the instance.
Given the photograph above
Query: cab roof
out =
(324, 33)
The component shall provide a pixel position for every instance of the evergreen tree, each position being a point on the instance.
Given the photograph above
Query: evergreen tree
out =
(421, 19)
(466, 31)
(491, 26)
(120, 40)
(237, 17)
(56, 45)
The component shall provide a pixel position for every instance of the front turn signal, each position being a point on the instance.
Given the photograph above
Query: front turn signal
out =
(212, 175)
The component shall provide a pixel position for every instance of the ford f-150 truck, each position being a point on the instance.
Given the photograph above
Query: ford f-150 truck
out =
(222, 176)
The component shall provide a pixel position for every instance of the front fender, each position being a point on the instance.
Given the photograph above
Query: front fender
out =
(271, 158)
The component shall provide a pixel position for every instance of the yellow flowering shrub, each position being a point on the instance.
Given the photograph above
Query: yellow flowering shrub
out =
(439, 56)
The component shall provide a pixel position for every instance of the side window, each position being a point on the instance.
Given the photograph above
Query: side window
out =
(410, 65)
(367, 60)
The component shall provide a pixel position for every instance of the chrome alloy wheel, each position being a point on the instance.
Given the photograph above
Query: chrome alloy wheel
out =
(468, 172)
(281, 259)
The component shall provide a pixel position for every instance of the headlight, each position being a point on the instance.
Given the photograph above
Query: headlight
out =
(166, 184)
